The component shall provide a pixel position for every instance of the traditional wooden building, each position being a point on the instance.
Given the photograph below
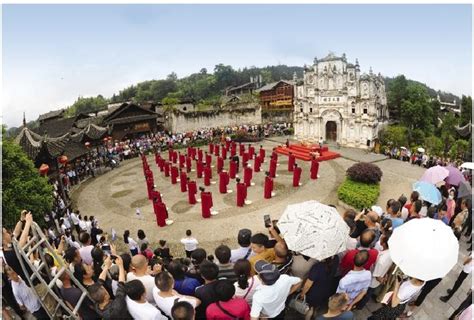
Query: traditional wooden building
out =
(277, 96)
(130, 120)
(51, 116)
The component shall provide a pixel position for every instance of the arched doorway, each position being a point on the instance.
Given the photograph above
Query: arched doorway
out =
(331, 131)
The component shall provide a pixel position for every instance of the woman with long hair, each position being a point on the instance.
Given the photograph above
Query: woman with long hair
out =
(246, 284)
(132, 244)
(142, 238)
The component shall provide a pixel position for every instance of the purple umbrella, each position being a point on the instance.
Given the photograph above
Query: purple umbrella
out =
(455, 176)
(435, 174)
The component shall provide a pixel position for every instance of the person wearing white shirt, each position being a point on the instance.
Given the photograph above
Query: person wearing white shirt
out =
(190, 243)
(356, 282)
(140, 272)
(75, 221)
(269, 300)
(164, 295)
(132, 244)
(25, 296)
(246, 284)
(244, 251)
(86, 250)
(137, 304)
(383, 263)
(82, 223)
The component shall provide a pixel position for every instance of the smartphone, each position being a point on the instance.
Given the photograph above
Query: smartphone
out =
(267, 220)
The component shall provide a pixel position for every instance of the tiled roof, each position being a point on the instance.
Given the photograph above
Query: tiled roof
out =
(51, 114)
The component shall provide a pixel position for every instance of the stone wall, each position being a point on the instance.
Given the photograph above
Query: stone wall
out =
(183, 122)
(277, 116)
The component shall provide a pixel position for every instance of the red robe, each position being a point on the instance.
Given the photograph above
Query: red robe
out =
(170, 153)
(223, 181)
(273, 167)
(245, 159)
(251, 152)
(155, 194)
(274, 156)
(160, 212)
(182, 180)
(175, 157)
(182, 160)
(207, 176)
(220, 164)
(257, 163)
(262, 153)
(211, 148)
(149, 185)
(314, 169)
(206, 204)
(188, 164)
(241, 194)
(241, 149)
(233, 149)
(174, 174)
(217, 150)
(247, 176)
(199, 168)
(149, 173)
(167, 169)
(208, 160)
(291, 162)
(192, 190)
(224, 152)
(157, 158)
(232, 169)
(227, 143)
(296, 177)
(267, 191)
(199, 153)
(161, 164)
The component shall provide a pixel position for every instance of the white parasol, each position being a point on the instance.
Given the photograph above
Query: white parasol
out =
(420, 149)
(425, 249)
(313, 229)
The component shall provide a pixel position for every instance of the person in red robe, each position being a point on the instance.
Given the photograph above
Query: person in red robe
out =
(199, 168)
(233, 149)
(241, 193)
(268, 188)
(251, 151)
(241, 149)
(170, 154)
(150, 185)
(220, 164)
(232, 168)
(273, 167)
(199, 153)
(291, 162)
(314, 168)
(148, 173)
(296, 176)
(274, 155)
(208, 160)
(161, 212)
(157, 158)
(167, 169)
(248, 176)
(188, 163)
(224, 152)
(161, 164)
(227, 143)
(192, 191)
(207, 176)
(261, 152)
(175, 157)
(206, 203)
(182, 160)
(217, 150)
(245, 159)
(174, 174)
(223, 181)
(155, 194)
(257, 163)
(211, 148)
(183, 179)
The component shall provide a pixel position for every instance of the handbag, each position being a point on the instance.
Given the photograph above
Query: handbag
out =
(300, 306)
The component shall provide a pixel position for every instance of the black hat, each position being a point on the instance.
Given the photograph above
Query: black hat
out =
(268, 272)
(244, 236)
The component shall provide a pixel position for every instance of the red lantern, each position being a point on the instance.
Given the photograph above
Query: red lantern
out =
(87, 144)
(62, 159)
(43, 169)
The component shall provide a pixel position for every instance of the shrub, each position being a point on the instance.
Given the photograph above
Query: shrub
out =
(365, 172)
(358, 194)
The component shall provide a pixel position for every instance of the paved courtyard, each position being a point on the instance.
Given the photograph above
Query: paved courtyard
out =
(114, 197)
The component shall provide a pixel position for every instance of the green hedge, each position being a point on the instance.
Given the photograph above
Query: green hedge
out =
(358, 194)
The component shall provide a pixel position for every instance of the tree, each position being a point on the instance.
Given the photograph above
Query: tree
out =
(458, 149)
(466, 110)
(433, 145)
(23, 187)
(87, 105)
(396, 135)
(396, 93)
(416, 112)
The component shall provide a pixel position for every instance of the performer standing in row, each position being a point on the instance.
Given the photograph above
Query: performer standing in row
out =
(208, 160)
(241, 193)
(220, 164)
(251, 151)
(232, 168)
(224, 152)
(273, 166)
(207, 176)
(291, 162)
(206, 203)
(314, 168)
(199, 168)
(183, 181)
(188, 164)
(223, 182)
(257, 163)
(296, 176)
(268, 188)
(167, 169)
(192, 190)
(199, 153)
(174, 174)
(217, 150)
(261, 153)
(248, 176)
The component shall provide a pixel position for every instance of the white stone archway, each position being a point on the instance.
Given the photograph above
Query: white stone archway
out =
(335, 116)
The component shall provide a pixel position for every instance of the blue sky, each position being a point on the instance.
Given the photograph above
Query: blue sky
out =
(54, 53)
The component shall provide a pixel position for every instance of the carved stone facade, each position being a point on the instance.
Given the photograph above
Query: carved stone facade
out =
(339, 104)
